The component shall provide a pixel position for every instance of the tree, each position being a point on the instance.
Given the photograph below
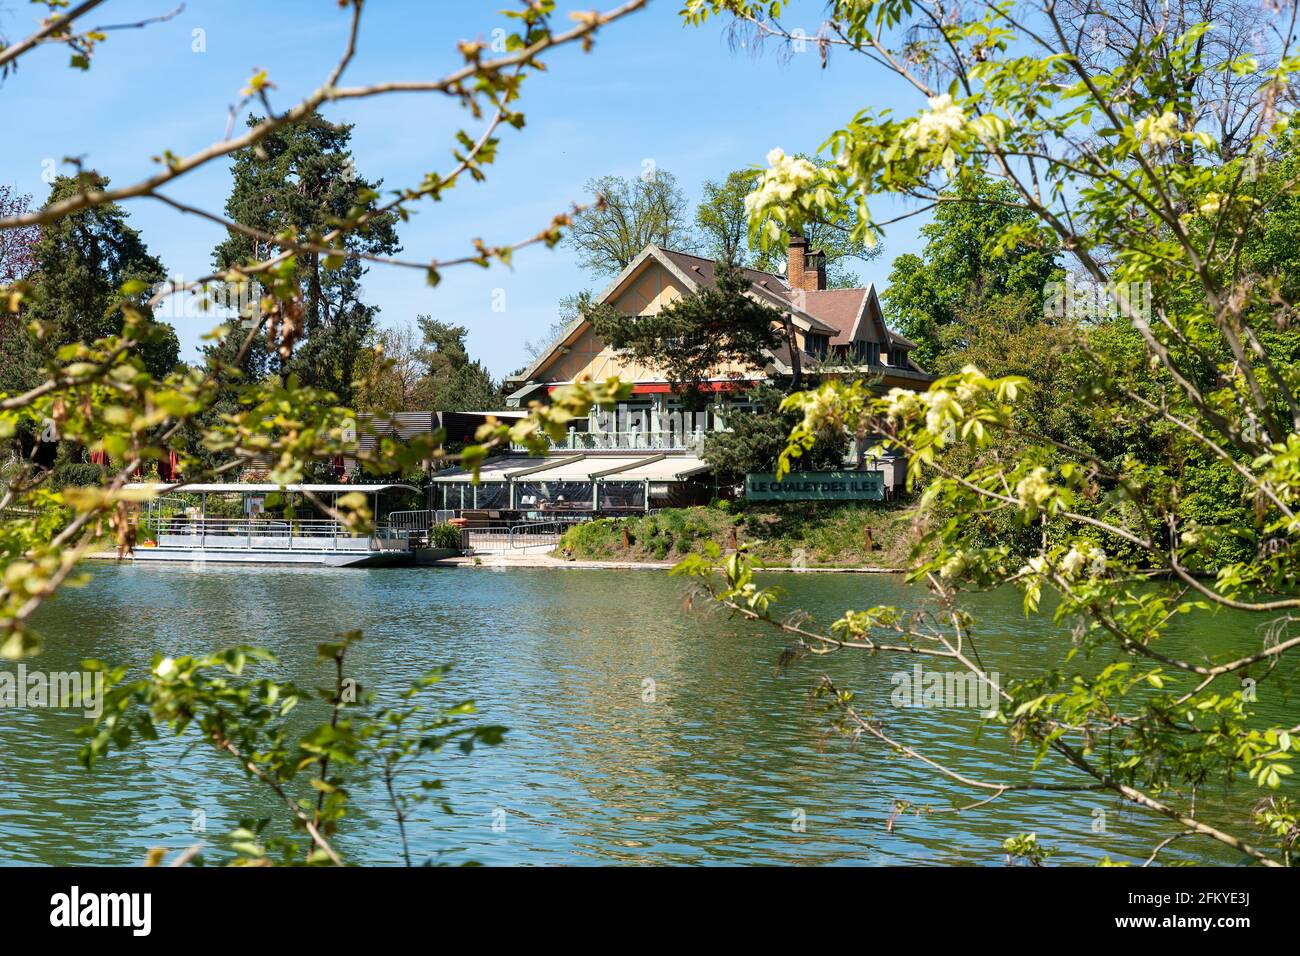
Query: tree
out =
(756, 435)
(627, 216)
(722, 223)
(17, 246)
(86, 267)
(300, 181)
(981, 245)
(1158, 215)
(721, 330)
(391, 375)
(456, 382)
(103, 395)
(19, 352)
(1224, 101)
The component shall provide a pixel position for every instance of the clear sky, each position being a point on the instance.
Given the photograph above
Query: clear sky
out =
(651, 89)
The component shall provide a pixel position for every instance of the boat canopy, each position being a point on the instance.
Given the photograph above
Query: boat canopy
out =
(262, 489)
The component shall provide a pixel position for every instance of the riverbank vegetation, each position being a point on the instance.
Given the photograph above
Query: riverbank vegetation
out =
(1139, 413)
(803, 534)
(90, 374)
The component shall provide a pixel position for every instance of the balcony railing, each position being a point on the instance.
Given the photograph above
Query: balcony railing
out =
(628, 441)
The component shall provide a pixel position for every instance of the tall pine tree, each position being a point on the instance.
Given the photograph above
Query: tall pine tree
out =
(80, 264)
(302, 179)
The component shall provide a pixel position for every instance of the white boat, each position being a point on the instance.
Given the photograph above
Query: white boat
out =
(194, 536)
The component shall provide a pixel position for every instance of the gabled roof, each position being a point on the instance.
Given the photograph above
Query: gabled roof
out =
(765, 285)
(842, 309)
(837, 313)
(694, 272)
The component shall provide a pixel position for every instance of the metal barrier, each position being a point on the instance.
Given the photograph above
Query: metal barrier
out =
(418, 520)
(516, 535)
(534, 533)
(494, 536)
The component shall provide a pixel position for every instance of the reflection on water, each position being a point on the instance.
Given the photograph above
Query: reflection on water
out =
(716, 761)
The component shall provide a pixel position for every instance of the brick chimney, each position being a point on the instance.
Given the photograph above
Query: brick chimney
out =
(805, 269)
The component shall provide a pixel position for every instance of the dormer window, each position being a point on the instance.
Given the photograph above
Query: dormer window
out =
(867, 353)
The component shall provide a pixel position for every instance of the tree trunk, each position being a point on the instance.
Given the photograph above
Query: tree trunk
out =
(796, 363)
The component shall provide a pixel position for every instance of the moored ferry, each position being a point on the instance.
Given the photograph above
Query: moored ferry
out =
(184, 532)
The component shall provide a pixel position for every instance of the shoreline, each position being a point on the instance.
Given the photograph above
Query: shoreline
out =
(498, 561)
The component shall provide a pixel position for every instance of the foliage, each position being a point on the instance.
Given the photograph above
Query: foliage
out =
(390, 374)
(756, 435)
(102, 394)
(445, 536)
(425, 368)
(249, 720)
(981, 246)
(1118, 158)
(298, 182)
(816, 534)
(722, 228)
(82, 264)
(455, 381)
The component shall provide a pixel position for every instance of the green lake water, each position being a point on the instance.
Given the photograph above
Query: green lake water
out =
(719, 768)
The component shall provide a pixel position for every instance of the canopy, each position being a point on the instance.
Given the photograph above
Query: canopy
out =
(501, 468)
(589, 467)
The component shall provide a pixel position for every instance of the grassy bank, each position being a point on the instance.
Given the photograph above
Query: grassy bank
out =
(827, 534)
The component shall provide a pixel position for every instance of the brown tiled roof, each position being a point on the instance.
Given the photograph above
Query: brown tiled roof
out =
(772, 287)
(698, 266)
(838, 308)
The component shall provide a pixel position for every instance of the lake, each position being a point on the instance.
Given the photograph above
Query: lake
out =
(727, 764)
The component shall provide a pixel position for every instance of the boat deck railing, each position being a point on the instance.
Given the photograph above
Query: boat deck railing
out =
(270, 534)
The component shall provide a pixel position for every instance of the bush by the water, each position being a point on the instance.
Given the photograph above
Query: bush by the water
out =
(816, 533)
(444, 537)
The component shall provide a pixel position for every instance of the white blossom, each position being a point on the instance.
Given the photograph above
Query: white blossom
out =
(1212, 203)
(1034, 489)
(786, 176)
(1158, 130)
(937, 127)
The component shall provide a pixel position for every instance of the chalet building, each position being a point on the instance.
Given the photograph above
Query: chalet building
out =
(646, 452)
(838, 331)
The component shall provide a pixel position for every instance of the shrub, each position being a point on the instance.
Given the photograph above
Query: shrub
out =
(444, 536)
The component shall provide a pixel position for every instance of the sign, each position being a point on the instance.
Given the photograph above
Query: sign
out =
(816, 486)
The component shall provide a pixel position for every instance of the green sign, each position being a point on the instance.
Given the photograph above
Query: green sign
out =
(816, 486)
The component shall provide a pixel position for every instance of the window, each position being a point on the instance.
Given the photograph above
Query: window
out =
(868, 353)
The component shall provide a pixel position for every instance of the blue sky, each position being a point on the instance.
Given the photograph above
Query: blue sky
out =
(651, 90)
